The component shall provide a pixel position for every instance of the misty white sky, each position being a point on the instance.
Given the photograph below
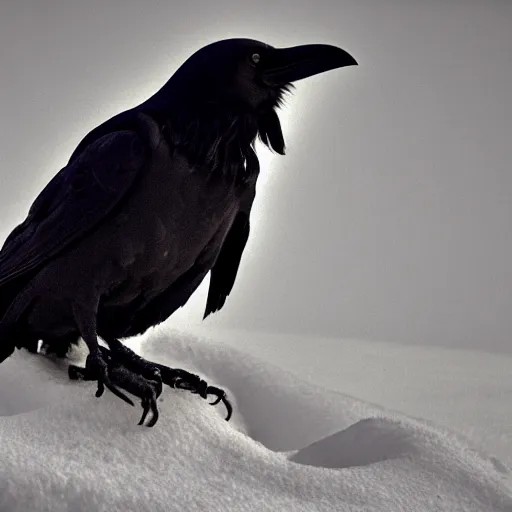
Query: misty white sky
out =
(389, 217)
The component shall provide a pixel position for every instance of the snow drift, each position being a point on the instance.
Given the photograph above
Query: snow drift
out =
(290, 446)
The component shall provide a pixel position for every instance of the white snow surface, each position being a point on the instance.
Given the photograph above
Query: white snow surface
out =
(290, 446)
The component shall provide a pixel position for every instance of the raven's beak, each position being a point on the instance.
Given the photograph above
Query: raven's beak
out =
(285, 65)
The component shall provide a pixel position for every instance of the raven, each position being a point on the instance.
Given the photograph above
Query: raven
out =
(150, 202)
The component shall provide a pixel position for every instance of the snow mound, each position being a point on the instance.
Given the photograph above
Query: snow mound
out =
(289, 447)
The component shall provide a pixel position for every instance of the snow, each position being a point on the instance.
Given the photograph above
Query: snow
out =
(291, 445)
(464, 390)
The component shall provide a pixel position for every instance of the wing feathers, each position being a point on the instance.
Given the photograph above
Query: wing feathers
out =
(79, 197)
(223, 273)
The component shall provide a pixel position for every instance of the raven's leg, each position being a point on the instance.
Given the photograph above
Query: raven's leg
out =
(173, 377)
(85, 318)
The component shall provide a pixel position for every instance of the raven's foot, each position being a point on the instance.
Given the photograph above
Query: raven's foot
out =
(135, 374)
(96, 368)
(120, 376)
(173, 377)
(133, 362)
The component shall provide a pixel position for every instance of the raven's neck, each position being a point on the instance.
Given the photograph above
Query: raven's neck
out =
(215, 138)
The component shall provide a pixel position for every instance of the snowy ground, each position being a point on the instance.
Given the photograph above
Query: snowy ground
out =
(467, 391)
(291, 445)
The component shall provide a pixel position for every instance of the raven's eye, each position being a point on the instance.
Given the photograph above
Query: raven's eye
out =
(255, 58)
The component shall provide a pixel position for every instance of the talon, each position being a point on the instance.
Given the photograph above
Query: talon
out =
(101, 389)
(181, 379)
(116, 392)
(228, 406)
(221, 396)
(154, 410)
(143, 417)
(148, 403)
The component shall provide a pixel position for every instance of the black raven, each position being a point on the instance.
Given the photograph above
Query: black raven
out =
(150, 202)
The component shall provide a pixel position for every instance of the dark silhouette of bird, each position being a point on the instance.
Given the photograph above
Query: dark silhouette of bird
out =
(150, 202)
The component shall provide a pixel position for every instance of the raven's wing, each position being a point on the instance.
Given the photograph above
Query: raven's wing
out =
(80, 196)
(223, 273)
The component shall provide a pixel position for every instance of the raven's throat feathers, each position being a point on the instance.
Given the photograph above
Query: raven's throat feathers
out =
(219, 138)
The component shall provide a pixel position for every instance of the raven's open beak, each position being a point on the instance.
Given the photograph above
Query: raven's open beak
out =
(285, 65)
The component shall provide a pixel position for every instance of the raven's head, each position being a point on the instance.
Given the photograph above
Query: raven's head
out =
(238, 84)
(254, 72)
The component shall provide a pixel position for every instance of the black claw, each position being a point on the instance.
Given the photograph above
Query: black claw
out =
(101, 389)
(146, 405)
(143, 417)
(154, 410)
(219, 393)
(221, 396)
(228, 406)
(181, 379)
(116, 392)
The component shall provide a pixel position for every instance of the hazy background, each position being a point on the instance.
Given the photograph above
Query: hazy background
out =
(389, 219)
